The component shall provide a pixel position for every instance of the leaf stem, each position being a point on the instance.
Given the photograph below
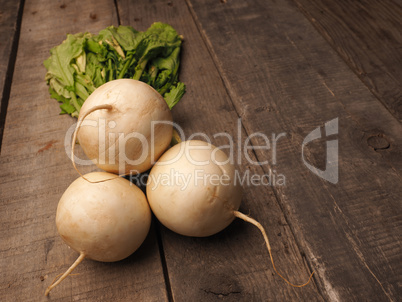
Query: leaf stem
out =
(110, 67)
(74, 101)
(125, 67)
(139, 69)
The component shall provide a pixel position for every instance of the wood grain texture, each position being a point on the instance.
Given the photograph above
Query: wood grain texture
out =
(10, 20)
(283, 77)
(367, 35)
(234, 264)
(35, 171)
(261, 61)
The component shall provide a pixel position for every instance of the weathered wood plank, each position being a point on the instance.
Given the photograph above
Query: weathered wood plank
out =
(283, 77)
(232, 265)
(9, 27)
(35, 171)
(367, 35)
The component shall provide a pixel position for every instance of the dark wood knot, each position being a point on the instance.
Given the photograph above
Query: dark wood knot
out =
(378, 142)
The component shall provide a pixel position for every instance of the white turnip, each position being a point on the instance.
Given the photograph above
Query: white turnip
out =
(186, 201)
(124, 126)
(192, 190)
(102, 217)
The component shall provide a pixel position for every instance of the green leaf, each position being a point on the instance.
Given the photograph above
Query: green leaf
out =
(175, 94)
(126, 36)
(67, 108)
(94, 70)
(160, 40)
(59, 64)
(107, 36)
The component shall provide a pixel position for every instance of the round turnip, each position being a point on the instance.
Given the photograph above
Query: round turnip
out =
(193, 191)
(106, 219)
(124, 126)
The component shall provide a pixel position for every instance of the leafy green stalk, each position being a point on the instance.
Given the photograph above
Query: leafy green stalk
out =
(139, 70)
(85, 81)
(75, 103)
(109, 62)
(153, 72)
(129, 61)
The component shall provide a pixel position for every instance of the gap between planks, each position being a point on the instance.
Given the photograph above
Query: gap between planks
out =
(10, 70)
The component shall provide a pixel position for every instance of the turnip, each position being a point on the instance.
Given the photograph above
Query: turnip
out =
(102, 217)
(192, 190)
(124, 126)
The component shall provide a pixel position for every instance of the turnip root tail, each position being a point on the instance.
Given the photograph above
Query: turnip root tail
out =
(99, 107)
(68, 272)
(261, 228)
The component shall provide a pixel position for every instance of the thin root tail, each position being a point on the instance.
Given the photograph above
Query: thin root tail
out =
(264, 234)
(68, 272)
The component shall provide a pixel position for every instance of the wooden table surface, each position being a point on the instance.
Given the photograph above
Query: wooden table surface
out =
(281, 68)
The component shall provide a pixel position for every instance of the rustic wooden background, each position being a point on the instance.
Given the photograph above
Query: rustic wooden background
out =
(278, 66)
